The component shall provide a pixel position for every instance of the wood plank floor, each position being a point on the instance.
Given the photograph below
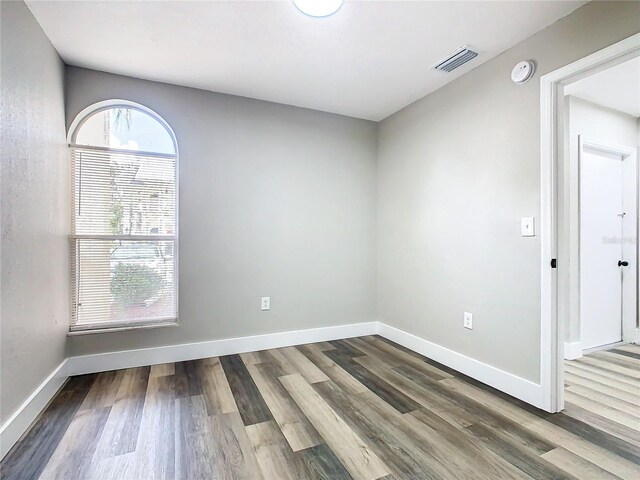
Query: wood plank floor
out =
(362, 408)
(602, 389)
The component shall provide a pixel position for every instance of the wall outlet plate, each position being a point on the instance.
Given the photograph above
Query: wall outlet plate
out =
(468, 320)
(265, 304)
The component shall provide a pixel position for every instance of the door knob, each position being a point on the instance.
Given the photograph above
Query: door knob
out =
(623, 263)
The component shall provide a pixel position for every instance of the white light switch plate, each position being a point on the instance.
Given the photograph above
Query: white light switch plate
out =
(266, 303)
(528, 227)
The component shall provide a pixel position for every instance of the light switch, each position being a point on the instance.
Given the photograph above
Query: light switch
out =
(528, 229)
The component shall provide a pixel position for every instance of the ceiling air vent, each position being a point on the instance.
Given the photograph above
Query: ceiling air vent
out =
(462, 56)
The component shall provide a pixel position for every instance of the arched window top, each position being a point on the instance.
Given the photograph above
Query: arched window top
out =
(123, 125)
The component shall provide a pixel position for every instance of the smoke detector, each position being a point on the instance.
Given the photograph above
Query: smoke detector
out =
(456, 59)
(522, 72)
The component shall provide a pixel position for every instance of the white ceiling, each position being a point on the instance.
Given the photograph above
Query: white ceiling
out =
(617, 87)
(368, 60)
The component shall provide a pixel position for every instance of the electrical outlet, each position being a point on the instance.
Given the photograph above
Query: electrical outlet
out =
(468, 320)
(266, 303)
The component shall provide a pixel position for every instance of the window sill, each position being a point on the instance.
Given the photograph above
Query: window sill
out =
(123, 328)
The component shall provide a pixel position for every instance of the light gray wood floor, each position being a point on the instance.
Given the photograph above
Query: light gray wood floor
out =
(602, 389)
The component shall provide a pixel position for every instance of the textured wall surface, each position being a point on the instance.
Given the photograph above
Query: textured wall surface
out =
(34, 306)
(274, 201)
(457, 171)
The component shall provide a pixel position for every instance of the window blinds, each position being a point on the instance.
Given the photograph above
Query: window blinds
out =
(123, 243)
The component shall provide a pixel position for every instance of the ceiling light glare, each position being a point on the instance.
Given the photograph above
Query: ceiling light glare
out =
(318, 8)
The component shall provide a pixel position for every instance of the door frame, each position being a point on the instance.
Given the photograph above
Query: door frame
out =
(627, 154)
(554, 300)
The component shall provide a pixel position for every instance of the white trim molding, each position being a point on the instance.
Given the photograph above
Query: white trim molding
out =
(572, 350)
(506, 382)
(18, 423)
(518, 387)
(553, 305)
(102, 362)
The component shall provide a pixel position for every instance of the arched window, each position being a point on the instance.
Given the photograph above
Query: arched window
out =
(124, 226)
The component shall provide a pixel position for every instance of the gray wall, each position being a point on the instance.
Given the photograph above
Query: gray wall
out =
(457, 171)
(274, 201)
(34, 306)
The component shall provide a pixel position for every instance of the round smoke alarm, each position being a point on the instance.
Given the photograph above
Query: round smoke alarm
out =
(522, 72)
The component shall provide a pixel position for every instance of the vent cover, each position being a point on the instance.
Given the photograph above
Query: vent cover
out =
(462, 56)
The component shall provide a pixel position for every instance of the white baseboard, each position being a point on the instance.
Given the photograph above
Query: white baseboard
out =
(515, 386)
(19, 422)
(102, 362)
(572, 350)
(601, 348)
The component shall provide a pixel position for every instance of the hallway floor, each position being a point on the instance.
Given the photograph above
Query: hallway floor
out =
(602, 389)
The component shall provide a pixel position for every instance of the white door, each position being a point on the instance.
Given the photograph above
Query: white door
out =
(601, 228)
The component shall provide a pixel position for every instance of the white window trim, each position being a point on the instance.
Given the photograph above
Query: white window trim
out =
(76, 124)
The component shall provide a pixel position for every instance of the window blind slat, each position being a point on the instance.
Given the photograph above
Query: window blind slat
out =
(118, 279)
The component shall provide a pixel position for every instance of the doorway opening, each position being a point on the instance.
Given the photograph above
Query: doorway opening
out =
(590, 137)
(605, 314)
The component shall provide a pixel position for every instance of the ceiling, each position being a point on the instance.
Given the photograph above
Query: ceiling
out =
(368, 60)
(617, 87)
